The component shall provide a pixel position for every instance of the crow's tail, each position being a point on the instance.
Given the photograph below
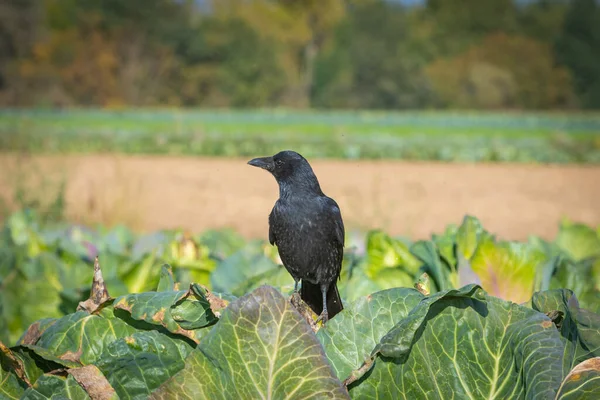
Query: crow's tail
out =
(311, 294)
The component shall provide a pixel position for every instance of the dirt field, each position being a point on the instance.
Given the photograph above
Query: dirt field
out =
(413, 199)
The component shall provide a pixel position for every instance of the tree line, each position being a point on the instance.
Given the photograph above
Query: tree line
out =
(340, 54)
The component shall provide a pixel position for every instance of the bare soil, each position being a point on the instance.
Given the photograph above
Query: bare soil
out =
(413, 199)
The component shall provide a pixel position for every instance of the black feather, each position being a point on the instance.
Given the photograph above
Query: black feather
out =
(307, 228)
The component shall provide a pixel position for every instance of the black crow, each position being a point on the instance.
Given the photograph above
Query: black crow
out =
(308, 230)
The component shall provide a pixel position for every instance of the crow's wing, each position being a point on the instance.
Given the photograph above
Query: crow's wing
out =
(335, 217)
(271, 227)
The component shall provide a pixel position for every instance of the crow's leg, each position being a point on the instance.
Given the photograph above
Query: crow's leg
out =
(324, 315)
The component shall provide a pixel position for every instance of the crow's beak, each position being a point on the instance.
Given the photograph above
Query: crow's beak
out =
(262, 162)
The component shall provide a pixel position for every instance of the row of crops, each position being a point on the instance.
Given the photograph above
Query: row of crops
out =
(176, 315)
(545, 138)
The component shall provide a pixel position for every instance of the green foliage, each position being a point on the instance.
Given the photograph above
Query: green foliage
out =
(261, 348)
(53, 266)
(460, 332)
(388, 344)
(137, 365)
(494, 137)
(578, 327)
(579, 383)
(45, 270)
(448, 344)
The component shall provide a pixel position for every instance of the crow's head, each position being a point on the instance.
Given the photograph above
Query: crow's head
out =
(286, 166)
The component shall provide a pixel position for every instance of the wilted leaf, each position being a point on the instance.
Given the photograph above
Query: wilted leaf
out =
(33, 364)
(423, 284)
(52, 357)
(81, 337)
(350, 337)
(13, 363)
(93, 382)
(182, 312)
(464, 344)
(99, 293)
(261, 348)
(582, 383)
(35, 330)
(216, 301)
(11, 386)
(138, 364)
(507, 270)
(579, 328)
(56, 388)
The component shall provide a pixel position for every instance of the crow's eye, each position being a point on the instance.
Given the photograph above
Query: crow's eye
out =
(279, 162)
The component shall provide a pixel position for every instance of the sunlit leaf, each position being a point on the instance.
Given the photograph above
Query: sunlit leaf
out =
(467, 237)
(507, 270)
(138, 364)
(261, 348)
(56, 388)
(582, 383)
(579, 328)
(465, 344)
(350, 337)
(166, 282)
(384, 252)
(182, 312)
(578, 241)
(81, 337)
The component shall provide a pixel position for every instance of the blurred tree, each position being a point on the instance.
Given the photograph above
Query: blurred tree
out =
(227, 63)
(298, 28)
(372, 63)
(502, 71)
(106, 53)
(578, 47)
(542, 19)
(301, 53)
(20, 25)
(460, 23)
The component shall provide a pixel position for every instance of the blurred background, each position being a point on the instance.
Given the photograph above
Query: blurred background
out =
(412, 112)
(125, 128)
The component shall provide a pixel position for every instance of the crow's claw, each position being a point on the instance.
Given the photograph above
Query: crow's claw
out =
(324, 317)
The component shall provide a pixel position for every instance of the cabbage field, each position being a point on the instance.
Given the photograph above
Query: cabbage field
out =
(106, 313)
(445, 136)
